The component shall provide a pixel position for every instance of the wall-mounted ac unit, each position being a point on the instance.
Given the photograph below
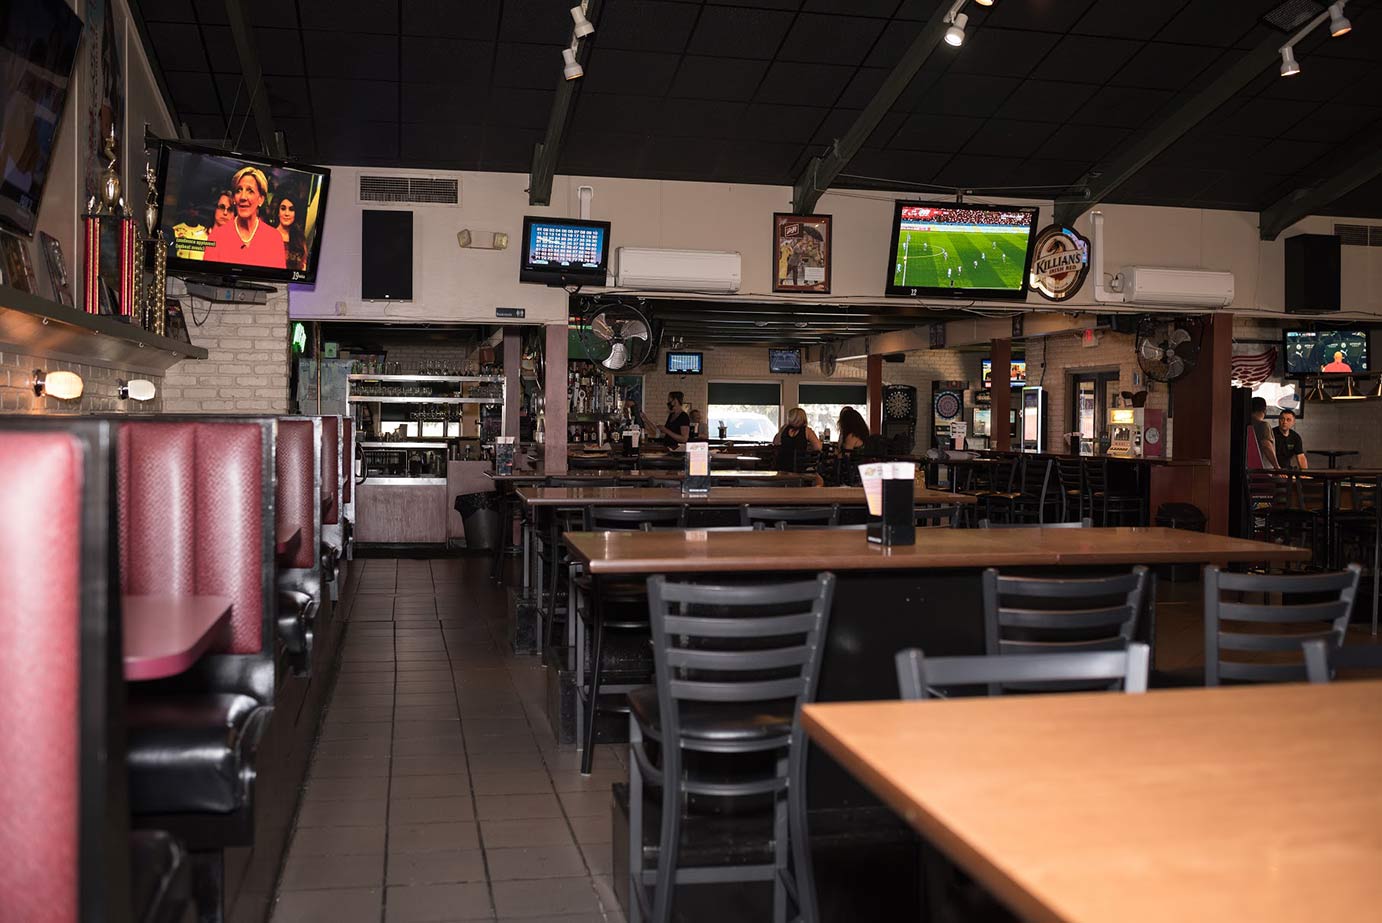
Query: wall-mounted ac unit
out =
(1191, 288)
(712, 271)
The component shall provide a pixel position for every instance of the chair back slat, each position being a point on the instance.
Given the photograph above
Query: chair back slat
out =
(1051, 614)
(763, 690)
(1245, 641)
(1323, 658)
(918, 675)
(739, 660)
(1262, 672)
(1085, 523)
(1301, 612)
(1109, 616)
(612, 519)
(1006, 646)
(789, 515)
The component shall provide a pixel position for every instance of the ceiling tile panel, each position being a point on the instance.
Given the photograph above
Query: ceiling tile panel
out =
(973, 170)
(1122, 107)
(599, 152)
(280, 51)
(1002, 52)
(718, 78)
(378, 16)
(618, 111)
(646, 25)
(1142, 19)
(1322, 79)
(831, 39)
(531, 67)
(341, 100)
(893, 44)
(763, 122)
(1046, 99)
(436, 102)
(1232, 20)
(300, 136)
(863, 87)
(876, 8)
(1160, 66)
(1008, 138)
(941, 133)
(520, 108)
(456, 62)
(756, 161)
(539, 21)
(165, 10)
(1082, 143)
(683, 158)
(902, 166)
(358, 141)
(179, 46)
(1206, 148)
(803, 84)
(509, 150)
(1334, 122)
(352, 55)
(205, 127)
(739, 33)
(1037, 15)
(968, 94)
(288, 97)
(1286, 156)
(443, 146)
(1263, 118)
(195, 93)
(615, 71)
(438, 17)
(695, 118)
(1084, 59)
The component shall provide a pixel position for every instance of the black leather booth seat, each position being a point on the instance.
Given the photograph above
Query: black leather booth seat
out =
(193, 754)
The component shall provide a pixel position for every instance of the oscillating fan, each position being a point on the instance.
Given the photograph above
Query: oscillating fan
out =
(534, 358)
(618, 336)
(1168, 349)
(829, 355)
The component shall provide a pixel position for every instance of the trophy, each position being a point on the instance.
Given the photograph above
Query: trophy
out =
(155, 315)
(111, 246)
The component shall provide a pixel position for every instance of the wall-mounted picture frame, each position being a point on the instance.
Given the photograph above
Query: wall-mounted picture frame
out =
(802, 252)
(19, 266)
(59, 282)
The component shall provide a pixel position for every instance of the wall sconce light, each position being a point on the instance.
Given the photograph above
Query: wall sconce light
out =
(138, 389)
(65, 386)
(466, 241)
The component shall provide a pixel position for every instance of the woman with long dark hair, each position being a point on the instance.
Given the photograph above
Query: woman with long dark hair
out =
(854, 432)
(290, 229)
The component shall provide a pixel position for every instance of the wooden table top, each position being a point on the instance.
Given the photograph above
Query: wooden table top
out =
(1254, 803)
(164, 635)
(702, 551)
(536, 477)
(718, 496)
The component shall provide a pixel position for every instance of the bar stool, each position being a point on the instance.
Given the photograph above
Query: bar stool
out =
(734, 665)
(1036, 499)
(1070, 479)
(619, 605)
(1106, 506)
(551, 554)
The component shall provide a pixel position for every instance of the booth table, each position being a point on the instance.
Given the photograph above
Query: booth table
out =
(286, 541)
(1234, 803)
(164, 635)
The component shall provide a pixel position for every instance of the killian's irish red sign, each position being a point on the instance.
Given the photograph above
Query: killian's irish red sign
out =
(1060, 262)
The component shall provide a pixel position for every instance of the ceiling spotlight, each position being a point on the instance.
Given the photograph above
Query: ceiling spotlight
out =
(955, 35)
(583, 26)
(65, 386)
(1289, 67)
(571, 70)
(1338, 25)
(984, 2)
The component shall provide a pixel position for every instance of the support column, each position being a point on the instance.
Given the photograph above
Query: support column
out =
(1000, 357)
(875, 372)
(555, 399)
(1202, 429)
(513, 379)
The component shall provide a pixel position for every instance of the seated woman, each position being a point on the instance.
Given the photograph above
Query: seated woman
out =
(794, 441)
(854, 433)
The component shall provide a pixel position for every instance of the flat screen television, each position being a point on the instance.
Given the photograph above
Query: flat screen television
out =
(1017, 372)
(1328, 352)
(240, 216)
(784, 361)
(564, 251)
(944, 250)
(683, 363)
(38, 46)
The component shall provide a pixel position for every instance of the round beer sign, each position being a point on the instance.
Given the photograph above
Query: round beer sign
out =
(1060, 262)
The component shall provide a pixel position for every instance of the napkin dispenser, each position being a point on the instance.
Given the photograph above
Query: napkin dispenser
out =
(890, 489)
(697, 471)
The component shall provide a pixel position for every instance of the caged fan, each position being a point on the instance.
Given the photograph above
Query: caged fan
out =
(1167, 349)
(617, 336)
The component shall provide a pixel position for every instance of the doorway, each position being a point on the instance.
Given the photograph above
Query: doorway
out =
(1089, 404)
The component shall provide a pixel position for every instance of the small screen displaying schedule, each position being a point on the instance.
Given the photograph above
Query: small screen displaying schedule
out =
(565, 245)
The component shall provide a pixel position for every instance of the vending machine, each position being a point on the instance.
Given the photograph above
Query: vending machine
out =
(1125, 431)
(1033, 419)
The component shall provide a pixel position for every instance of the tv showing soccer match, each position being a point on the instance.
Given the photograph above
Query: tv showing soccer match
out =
(961, 251)
(238, 216)
(564, 251)
(1327, 352)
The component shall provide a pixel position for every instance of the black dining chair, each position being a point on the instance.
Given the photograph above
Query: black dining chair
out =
(1038, 499)
(778, 517)
(1323, 659)
(938, 517)
(734, 665)
(1323, 602)
(922, 677)
(1069, 474)
(553, 560)
(1078, 524)
(1108, 505)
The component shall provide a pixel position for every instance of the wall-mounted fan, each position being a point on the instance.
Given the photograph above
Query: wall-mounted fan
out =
(618, 336)
(829, 355)
(1167, 349)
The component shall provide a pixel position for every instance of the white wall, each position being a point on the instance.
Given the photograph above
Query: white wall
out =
(454, 284)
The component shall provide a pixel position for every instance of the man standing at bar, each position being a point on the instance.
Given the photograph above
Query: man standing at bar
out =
(1290, 449)
(1260, 434)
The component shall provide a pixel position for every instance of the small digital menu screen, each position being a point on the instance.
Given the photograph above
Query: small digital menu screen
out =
(561, 244)
(683, 363)
(784, 361)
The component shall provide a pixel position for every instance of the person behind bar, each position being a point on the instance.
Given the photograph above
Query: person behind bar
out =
(678, 427)
(794, 440)
(1261, 436)
(1290, 448)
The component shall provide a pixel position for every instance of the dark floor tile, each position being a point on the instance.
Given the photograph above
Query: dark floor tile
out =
(350, 788)
(349, 699)
(529, 862)
(437, 764)
(516, 807)
(434, 727)
(521, 782)
(452, 786)
(338, 841)
(433, 697)
(371, 812)
(546, 831)
(449, 744)
(353, 749)
(343, 905)
(586, 804)
(434, 868)
(355, 730)
(306, 873)
(348, 769)
(425, 712)
(593, 829)
(431, 810)
(338, 715)
(599, 857)
(598, 781)
(555, 896)
(441, 903)
(489, 727)
(482, 760)
(414, 838)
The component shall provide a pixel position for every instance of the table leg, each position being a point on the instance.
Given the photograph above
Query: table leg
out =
(527, 556)
(1330, 548)
(1376, 548)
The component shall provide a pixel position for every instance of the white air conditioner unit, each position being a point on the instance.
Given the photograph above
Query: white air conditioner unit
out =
(1191, 288)
(711, 271)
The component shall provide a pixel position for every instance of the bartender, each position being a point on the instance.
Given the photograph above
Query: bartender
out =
(1290, 449)
(678, 427)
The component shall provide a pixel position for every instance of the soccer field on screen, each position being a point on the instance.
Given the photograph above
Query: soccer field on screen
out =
(960, 259)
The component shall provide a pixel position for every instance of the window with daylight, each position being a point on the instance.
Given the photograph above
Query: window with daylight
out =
(823, 403)
(749, 410)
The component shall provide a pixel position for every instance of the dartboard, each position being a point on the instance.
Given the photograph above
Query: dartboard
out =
(898, 405)
(948, 405)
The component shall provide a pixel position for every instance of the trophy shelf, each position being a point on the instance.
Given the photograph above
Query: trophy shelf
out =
(46, 328)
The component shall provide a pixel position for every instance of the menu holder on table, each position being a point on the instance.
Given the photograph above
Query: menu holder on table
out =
(503, 454)
(630, 441)
(890, 489)
(697, 480)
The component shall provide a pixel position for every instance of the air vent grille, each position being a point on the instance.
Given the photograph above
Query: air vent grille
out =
(1359, 235)
(411, 190)
(1291, 15)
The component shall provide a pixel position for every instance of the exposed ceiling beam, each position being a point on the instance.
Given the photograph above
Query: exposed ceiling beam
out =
(269, 137)
(1123, 163)
(1353, 166)
(821, 171)
(546, 151)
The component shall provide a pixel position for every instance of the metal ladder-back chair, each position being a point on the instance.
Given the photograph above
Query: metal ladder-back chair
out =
(1038, 500)
(1070, 479)
(779, 517)
(734, 666)
(1322, 659)
(1326, 601)
(551, 555)
(922, 677)
(1106, 507)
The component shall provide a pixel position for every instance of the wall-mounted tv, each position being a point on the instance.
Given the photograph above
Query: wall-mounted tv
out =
(1328, 352)
(241, 216)
(38, 46)
(784, 361)
(564, 251)
(944, 250)
(683, 363)
(1017, 372)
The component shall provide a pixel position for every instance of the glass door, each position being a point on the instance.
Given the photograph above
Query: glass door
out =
(1090, 400)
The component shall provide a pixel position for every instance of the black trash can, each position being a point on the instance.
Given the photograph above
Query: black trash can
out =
(480, 515)
(1185, 516)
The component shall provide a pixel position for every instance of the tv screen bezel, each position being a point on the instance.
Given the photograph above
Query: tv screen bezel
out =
(959, 294)
(700, 362)
(1012, 382)
(774, 350)
(541, 275)
(185, 268)
(1285, 339)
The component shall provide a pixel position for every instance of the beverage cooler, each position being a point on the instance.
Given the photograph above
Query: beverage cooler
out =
(1033, 411)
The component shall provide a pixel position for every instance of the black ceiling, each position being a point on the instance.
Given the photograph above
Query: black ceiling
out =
(749, 90)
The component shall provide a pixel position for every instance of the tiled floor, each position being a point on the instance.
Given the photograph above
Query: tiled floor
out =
(436, 791)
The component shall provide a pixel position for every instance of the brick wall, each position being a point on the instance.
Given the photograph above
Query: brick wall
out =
(246, 370)
(100, 393)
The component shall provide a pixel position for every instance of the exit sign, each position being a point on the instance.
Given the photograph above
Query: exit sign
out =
(509, 312)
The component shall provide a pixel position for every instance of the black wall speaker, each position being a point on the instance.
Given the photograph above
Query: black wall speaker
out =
(386, 255)
(1312, 273)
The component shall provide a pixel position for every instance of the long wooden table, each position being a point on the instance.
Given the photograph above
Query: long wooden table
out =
(1236, 803)
(720, 496)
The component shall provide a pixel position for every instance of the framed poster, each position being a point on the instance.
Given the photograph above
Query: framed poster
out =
(801, 253)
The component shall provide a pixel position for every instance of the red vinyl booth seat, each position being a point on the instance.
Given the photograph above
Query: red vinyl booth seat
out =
(331, 470)
(297, 487)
